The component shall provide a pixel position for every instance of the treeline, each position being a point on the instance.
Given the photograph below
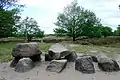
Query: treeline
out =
(11, 24)
(76, 21)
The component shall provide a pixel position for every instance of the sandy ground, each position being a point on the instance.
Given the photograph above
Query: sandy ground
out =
(39, 73)
(69, 73)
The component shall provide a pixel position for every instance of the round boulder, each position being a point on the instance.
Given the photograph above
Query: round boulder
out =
(24, 65)
(30, 50)
(107, 64)
(14, 62)
(58, 51)
(56, 65)
(84, 65)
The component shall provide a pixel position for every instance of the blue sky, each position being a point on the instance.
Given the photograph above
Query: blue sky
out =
(45, 11)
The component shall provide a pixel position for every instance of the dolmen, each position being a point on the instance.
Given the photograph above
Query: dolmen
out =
(59, 55)
(58, 51)
(25, 54)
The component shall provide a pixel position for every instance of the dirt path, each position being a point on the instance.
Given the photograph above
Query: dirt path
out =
(39, 73)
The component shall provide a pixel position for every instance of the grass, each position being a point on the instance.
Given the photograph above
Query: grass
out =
(6, 49)
(44, 46)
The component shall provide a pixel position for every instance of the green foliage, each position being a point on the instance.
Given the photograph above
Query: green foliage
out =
(7, 4)
(107, 31)
(59, 32)
(29, 28)
(6, 49)
(76, 21)
(96, 32)
(117, 32)
(9, 17)
(7, 22)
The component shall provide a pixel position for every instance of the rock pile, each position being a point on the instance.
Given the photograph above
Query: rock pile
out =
(25, 54)
(58, 51)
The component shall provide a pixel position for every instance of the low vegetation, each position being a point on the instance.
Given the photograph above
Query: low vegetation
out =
(6, 49)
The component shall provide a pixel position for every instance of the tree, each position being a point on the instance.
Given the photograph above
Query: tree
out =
(9, 17)
(96, 31)
(59, 32)
(117, 32)
(6, 23)
(76, 21)
(107, 31)
(6, 4)
(29, 27)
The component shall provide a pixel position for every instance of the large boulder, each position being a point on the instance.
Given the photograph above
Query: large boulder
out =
(84, 65)
(91, 57)
(30, 50)
(2, 78)
(56, 65)
(71, 57)
(107, 64)
(24, 65)
(14, 62)
(48, 57)
(58, 51)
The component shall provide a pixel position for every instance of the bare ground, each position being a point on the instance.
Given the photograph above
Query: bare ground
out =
(39, 73)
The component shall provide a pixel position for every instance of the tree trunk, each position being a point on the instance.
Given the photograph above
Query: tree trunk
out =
(26, 37)
(29, 38)
(74, 38)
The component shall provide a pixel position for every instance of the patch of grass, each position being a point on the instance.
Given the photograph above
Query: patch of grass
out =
(89, 48)
(5, 51)
(44, 46)
(6, 48)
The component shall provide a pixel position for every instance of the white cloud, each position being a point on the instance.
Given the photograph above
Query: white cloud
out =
(46, 11)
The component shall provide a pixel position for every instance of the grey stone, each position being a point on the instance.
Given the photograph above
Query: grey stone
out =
(48, 57)
(14, 62)
(84, 65)
(58, 51)
(71, 57)
(30, 50)
(108, 65)
(94, 59)
(2, 78)
(91, 57)
(24, 65)
(56, 65)
(25, 50)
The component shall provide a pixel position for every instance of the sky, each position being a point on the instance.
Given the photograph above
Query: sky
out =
(45, 12)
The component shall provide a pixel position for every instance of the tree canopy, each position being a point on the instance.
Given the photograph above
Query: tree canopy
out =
(117, 32)
(6, 4)
(9, 17)
(29, 28)
(77, 21)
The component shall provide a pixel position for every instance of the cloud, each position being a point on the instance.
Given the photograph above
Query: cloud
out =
(46, 11)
